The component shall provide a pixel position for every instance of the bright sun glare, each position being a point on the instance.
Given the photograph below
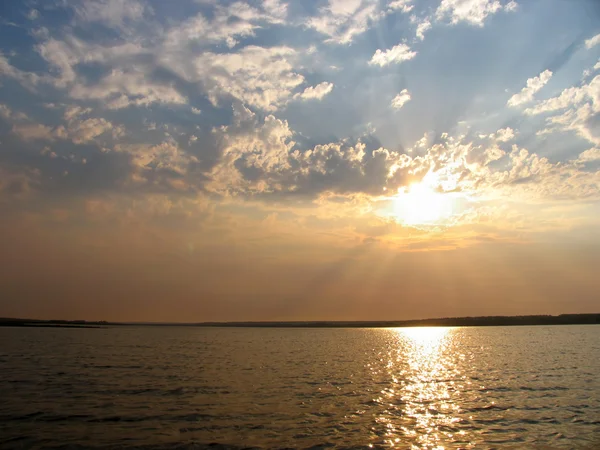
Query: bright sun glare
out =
(420, 204)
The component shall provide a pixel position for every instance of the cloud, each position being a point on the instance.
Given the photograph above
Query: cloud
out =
(533, 86)
(315, 92)
(226, 24)
(77, 129)
(502, 135)
(27, 79)
(276, 10)
(473, 12)
(86, 130)
(33, 14)
(396, 54)
(505, 134)
(135, 74)
(403, 5)
(342, 20)
(17, 183)
(177, 61)
(422, 27)
(260, 158)
(9, 114)
(258, 76)
(593, 154)
(123, 88)
(400, 100)
(580, 111)
(113, 13)
(34, 132)
(204, 58)
(592, 42)
(524, 176)
(163, 157)
(569, 97)
(127, 82)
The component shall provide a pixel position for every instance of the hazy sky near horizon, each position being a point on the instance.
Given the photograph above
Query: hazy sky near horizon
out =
(267, 160)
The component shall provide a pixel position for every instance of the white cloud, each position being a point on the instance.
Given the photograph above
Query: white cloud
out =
(593, 154)
(128, 83)
(8, 113)
(342, 20)
(396, 54)
(315, 92)
(113, 13)
(400, 100)
(64, 57)
(533, 86)
(249, 143)
(34, 132)
(33, 14)
(580, 110)
(196, 111)
(86, 130)
(471, 11)
(29, 80)
(592, 42)
(569, 97)
(259, 157)
(505, 134)
(77, 129)
(422, 27)
(164, 156)
(226, 25)
(122, 88)
(257, 76)
(261, 77)
(275, 9)
(5, 111)
(403, 5)
(74, 111)
(524, 176)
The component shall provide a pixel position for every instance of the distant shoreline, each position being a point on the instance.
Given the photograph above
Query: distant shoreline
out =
(563, 319)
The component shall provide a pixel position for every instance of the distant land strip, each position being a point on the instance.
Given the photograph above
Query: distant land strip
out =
(562, 319)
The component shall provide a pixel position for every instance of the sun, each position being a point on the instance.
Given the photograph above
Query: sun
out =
(420, 204)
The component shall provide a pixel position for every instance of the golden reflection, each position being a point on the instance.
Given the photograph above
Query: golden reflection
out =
(427, 339)
(419, 408)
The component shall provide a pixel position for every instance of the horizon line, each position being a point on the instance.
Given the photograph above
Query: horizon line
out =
(529, 319)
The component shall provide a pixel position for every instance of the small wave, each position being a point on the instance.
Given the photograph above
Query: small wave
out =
(28, 416)
(485, 408)
(544, 388)
(497, 389)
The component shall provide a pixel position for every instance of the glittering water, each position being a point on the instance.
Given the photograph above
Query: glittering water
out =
(515, 387)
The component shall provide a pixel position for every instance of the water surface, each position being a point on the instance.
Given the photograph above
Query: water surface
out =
(513, 387)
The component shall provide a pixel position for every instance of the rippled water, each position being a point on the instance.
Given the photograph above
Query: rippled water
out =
(516, 387)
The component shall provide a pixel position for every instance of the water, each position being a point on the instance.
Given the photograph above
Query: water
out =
(513, 387)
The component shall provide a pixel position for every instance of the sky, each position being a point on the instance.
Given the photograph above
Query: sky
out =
(199, 160)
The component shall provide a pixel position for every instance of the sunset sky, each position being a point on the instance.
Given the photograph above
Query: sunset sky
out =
(199, 160)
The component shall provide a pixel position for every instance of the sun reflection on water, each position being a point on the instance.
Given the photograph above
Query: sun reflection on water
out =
(419, 407)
